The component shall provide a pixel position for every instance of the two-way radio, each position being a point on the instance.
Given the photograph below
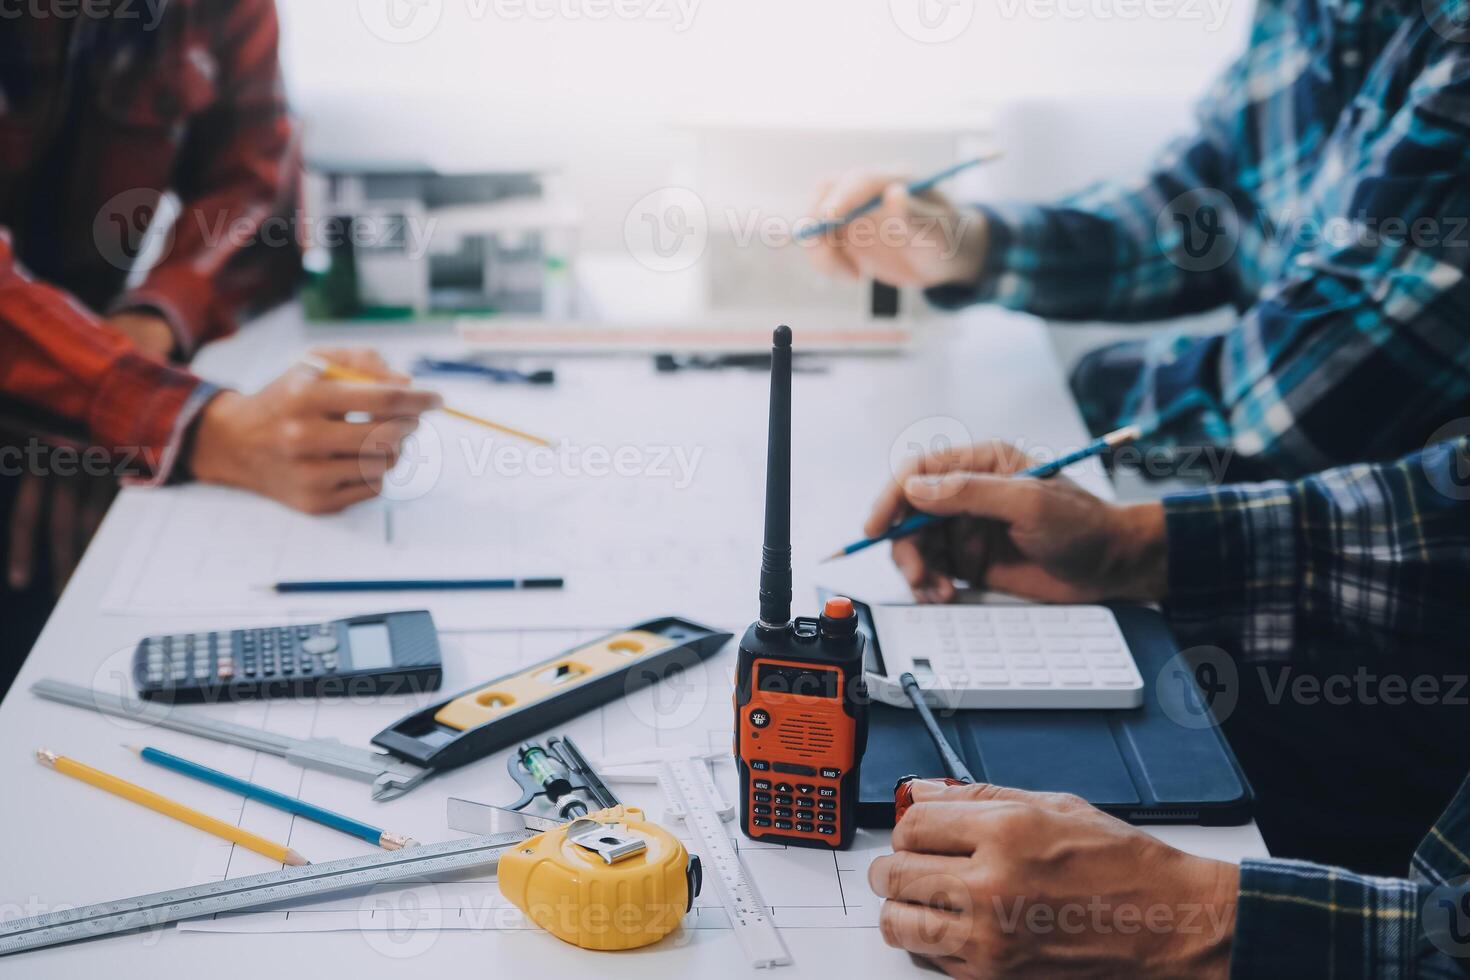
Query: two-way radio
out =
(801, 706)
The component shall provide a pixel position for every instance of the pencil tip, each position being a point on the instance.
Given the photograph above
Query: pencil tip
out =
(295, 860)
(1124, 435)
(390, 841)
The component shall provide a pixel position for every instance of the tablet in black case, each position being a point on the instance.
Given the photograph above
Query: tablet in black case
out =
(1140, 764)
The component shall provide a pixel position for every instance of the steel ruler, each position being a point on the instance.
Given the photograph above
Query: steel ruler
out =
(390, 777)
(292, 884)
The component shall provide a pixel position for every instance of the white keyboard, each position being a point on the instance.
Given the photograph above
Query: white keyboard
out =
(1006, 656)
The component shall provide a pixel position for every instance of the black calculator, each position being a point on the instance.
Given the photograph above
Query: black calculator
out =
(393, 653)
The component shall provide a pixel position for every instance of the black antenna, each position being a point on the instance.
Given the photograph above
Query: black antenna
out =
(776, 556)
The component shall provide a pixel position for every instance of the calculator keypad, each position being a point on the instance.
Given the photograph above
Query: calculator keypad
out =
(1070, 651)
(208, 660)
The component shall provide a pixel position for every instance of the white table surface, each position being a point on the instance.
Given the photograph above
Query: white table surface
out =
(66, 844)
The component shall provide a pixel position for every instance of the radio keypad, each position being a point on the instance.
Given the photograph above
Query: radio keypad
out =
(812, 811)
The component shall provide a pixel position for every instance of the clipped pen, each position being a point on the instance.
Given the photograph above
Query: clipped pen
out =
(386, 839)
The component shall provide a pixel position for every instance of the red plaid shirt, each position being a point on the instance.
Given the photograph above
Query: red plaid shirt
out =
(99, 116)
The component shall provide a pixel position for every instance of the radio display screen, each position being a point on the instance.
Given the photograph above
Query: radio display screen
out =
(778, 679)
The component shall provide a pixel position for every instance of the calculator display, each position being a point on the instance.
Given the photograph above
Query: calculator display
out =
(371, 648)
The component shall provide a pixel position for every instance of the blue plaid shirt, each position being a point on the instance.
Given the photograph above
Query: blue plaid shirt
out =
(1367, 555)
(1326, 196)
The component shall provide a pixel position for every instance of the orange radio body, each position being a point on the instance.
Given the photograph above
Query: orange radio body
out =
(801, 726)
(801, 706)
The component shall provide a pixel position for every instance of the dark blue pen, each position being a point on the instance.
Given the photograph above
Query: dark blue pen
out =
(422, 585)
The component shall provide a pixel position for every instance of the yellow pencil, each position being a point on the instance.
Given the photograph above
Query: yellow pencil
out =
(337, 372)
(167, 807)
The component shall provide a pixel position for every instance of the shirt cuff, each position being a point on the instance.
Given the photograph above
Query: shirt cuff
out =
(1303, 920)
(140, 413)
(1233, 567)
(176, 298)
(1004, 257)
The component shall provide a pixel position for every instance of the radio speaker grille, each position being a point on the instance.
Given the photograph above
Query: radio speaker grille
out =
(807, 735)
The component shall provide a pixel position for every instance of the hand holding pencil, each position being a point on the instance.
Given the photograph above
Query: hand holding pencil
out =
(332, 369)
(898, 231)
(1042, 539)
(312, 443)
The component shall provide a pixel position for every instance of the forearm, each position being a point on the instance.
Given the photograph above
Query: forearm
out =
(1374, 555)
(236, 242)
(1316, 375)
(1099, 255)
(231, 254)
(59, 363)
(1302, 920)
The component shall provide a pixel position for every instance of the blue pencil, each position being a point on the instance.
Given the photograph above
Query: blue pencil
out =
(876, 201)
(918, 522)
(422, 585)
(387, 840)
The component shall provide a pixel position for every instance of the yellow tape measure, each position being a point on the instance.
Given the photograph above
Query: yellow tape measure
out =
(610, 881)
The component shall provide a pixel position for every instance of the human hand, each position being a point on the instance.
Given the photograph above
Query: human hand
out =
(292, 442)
(992, 882)
(910, 240)
(1045, 540)
(149, 332)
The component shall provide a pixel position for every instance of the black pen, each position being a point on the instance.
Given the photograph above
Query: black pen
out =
(422, 585)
